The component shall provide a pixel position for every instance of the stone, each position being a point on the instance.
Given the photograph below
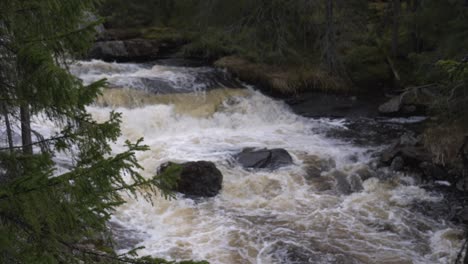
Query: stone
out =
(355, 183)
(341, 182)
(315, 165)
(433, 171)
(195, 179)
(364, 172)
(323, 183)
(125, 50)
(392, 106)
(409, 109)
(412, 155)
(346, 183)
(462, 184)
(462, 216)
(106, 50)
(389, 153)
(124, 237)
(408, 139)
(397, 164)
(421, 97)
(263, 158)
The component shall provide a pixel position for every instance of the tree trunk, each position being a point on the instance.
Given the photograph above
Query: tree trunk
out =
(396, 27)
(415, 41)
(26, 137)
(8, 127)
(330, 55)
(167, 7)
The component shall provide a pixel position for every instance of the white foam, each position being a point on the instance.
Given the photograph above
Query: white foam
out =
(262, 216)
(131, 75)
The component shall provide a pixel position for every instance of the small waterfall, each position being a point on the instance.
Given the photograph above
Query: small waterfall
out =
(347, 212)
(199, 104)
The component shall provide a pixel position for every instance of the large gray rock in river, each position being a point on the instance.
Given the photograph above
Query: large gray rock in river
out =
(198, 179)
(125, 50)
(263, 158)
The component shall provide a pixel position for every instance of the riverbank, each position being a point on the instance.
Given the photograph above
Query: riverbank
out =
(309, 92)
(409, 149)
(333, 175)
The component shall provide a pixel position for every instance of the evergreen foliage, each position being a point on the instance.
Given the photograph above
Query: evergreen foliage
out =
(371, 43)
(47, 216)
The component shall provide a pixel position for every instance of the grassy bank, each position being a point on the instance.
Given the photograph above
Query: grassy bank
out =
(282, 80)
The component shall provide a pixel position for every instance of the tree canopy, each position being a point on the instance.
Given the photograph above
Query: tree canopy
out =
(49, 216)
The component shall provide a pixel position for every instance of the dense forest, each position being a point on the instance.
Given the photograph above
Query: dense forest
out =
(414, 49)
(370, 44)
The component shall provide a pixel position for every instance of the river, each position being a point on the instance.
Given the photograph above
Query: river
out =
(282, 216)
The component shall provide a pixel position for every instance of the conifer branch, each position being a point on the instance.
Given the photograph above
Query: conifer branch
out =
(41, 142)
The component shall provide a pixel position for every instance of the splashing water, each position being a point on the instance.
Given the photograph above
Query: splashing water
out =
(259, 216)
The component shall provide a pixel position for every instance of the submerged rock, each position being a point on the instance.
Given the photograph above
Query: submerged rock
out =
(398, 163)
(433, 171)
(315, 165)
(355, 182)
(364, 172)
(342, 184)
(198, 179)
(462, 184)
(125, 237)
(462, 216)
(409, 149)
(263, 159)
(346, 184)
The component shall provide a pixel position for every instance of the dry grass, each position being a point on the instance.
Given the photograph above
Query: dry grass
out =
(284, 80)
(444, 143)
(163, 34)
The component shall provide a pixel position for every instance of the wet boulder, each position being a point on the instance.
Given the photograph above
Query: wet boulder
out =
(412, 102)
(346, 184)
(398, 163)
(409, 149)
(390, 107)
(462, 184)
(433, 171)
(270, 159)
(195, 179)
(315, 165)
(364, 172)
(125, 50)
(408, 153)
(462, 216)
(107, 50)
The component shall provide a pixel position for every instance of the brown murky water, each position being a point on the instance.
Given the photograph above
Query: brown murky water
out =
(282, 216)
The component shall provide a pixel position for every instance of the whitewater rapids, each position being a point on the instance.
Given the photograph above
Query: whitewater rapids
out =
(190, 114)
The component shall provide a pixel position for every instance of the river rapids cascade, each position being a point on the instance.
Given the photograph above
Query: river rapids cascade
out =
(260, 216)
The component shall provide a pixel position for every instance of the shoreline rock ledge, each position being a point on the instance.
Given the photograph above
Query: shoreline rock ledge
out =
(271, 159)
(195, 179)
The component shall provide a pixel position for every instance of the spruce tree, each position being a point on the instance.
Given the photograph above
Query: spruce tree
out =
(47, 217)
